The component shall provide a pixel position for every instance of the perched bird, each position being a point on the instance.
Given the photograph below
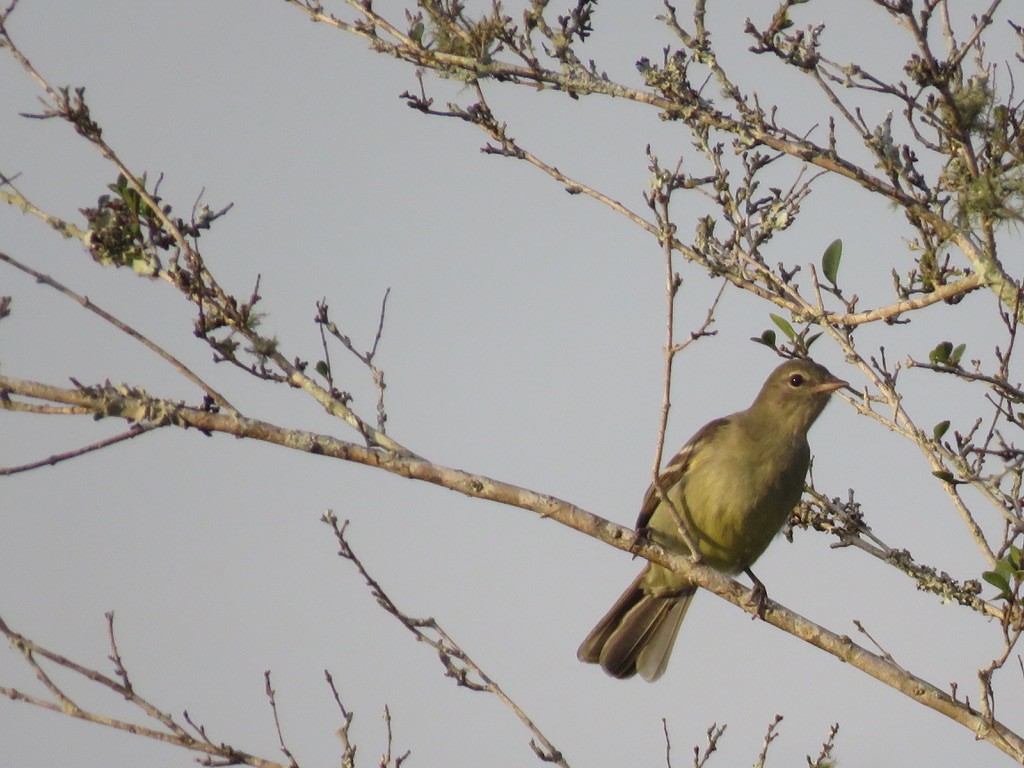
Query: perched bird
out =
(734, 483)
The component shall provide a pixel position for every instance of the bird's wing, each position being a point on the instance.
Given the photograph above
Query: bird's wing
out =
(674, 471)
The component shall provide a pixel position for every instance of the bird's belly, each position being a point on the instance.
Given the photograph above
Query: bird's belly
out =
(733, 514)
(731, 542)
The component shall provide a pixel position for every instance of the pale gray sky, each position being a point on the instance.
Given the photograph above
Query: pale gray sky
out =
(523, 341)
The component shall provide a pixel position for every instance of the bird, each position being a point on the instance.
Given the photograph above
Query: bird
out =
(734, 483)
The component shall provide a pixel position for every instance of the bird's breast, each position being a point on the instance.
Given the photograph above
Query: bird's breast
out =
(737, 499)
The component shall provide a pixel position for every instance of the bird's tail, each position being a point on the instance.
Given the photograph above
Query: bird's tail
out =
(637, 634)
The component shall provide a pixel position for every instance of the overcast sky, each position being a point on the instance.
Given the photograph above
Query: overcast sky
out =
(523, 341)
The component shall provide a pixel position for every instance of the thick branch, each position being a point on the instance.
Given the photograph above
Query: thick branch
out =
(131, 404)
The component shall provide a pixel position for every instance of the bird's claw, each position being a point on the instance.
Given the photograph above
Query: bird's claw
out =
(758, 598)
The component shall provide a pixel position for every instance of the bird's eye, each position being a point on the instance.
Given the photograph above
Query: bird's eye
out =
(796, 380)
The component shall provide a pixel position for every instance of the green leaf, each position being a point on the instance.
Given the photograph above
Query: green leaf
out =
(812, 339)
(783, 325)
(767, 338)
(323, 369)
(1004, 569)
(940, 429)
(1013, 558)
(940, 355)
(997, 580)
(131, 200)
(119, 185)
(946, 477)
(1000, 582)
(954, 358)
(830, 260)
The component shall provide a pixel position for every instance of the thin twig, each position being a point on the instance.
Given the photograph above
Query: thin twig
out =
(271, 697)
(134, 431)
(115, 655)
(672, 283)
(348, 749)
(88, 304)
(327, 326)
(884, 653)
(770, 735)
(169, 732)
(714, 733)
(457, 663)
(385, 758)
(825, 759)
(668, 743)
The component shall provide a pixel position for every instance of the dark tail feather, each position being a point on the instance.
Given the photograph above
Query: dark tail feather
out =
(590, 649)
(637, 634)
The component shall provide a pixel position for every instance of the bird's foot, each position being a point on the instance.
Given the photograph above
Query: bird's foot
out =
(758, 597)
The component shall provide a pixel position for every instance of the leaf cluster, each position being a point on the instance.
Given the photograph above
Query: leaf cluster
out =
(130, 229)
(1008, 575)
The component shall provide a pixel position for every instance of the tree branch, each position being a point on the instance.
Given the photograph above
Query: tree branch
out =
(135, 405)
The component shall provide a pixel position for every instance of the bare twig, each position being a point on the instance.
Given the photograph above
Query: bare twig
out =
(12, 196)
(714, 733)
(327, 326)
(825, 759)
(348, 749)
(168, 730)
(385, 758)
(134, 431)
(456, 662)
(885, 654)
(89, 305)
(115, 655)
(271, 697)
(845, 521)
(770, 735)
(673, 281)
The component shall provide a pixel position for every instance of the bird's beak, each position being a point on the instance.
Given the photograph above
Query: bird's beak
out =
(831, 386)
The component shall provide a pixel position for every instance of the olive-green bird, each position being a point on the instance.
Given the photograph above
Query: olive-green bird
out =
(735, 483)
